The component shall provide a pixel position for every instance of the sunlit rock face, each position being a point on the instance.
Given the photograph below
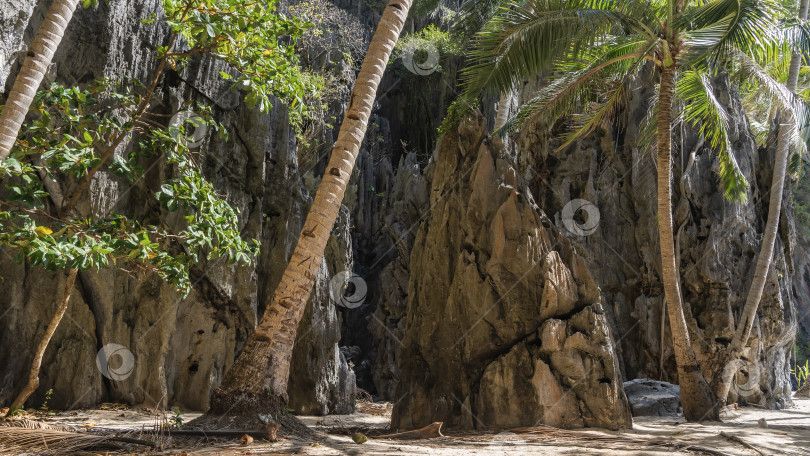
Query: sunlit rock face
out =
(505, 325)
(180, 347)
(717, 243)
(479, 294)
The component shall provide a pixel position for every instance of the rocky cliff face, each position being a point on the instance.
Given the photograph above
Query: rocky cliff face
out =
(505, 326)
(180, 347)
(491, 300)
(801, 266)
(717, 244)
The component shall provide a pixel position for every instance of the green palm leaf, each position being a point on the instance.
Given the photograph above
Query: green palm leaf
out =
(520, 43)
(707, 115)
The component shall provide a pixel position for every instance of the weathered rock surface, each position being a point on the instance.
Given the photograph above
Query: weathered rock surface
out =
(181, 347)
(653, 398)
(717, 243)
(505, 325)
(14, 17)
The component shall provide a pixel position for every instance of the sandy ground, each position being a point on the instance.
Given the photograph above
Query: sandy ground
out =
(783, 432)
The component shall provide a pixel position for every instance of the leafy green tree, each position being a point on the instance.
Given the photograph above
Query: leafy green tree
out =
(73, 136)
(592, 50)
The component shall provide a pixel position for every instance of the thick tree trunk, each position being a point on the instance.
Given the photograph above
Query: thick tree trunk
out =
(697, 399)
(723, 378)
(259, 375)
(33, 374)
(32, 72)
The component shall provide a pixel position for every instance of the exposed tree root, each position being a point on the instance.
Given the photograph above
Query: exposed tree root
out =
(237, 412)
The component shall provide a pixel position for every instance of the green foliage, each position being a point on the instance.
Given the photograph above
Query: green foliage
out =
(429, 37)
(62, 142)
(459, 108)
(709, 117)
(176, 420)
(591, 50)
(44, 406)
(801, 209)
(802, 373)
(73, 136)
(334, 30)
(254, 39)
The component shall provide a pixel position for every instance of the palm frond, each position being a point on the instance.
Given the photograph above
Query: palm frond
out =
(422, 8)
(21, 440)
(750, 73)
(648, 127)
(796, 35)
(565, 93)
(474, 15)
(704, 112)
(714, 27)
(520, 43)
(601, 114)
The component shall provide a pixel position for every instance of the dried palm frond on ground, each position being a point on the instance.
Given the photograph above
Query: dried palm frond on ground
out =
(564, 437)
(33, 424)
(31, 437)
(374, 408)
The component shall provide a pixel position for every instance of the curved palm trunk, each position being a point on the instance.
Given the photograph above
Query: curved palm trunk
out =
(259, 375)
(33, 70)
(33, 373)
(697, 399)
(722, 380)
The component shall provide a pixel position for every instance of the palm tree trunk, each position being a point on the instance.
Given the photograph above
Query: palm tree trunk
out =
(722, 379)
(33, 373)
(503, 109)
(697, 399)
(33, 70)
(259, 375)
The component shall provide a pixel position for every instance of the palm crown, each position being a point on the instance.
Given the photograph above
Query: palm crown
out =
(592, 49)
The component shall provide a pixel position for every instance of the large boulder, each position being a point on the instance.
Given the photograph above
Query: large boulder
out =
(653, 398)
(505, 326)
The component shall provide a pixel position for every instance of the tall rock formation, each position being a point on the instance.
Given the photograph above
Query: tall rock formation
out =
(717, 243)
(505, 325)
(180, 347)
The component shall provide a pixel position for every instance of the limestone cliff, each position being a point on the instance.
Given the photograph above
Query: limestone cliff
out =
(180, 347)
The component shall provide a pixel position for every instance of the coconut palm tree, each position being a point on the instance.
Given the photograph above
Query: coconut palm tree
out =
(594, 49)
(787, 131)
(33, 70)
(259, 375)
